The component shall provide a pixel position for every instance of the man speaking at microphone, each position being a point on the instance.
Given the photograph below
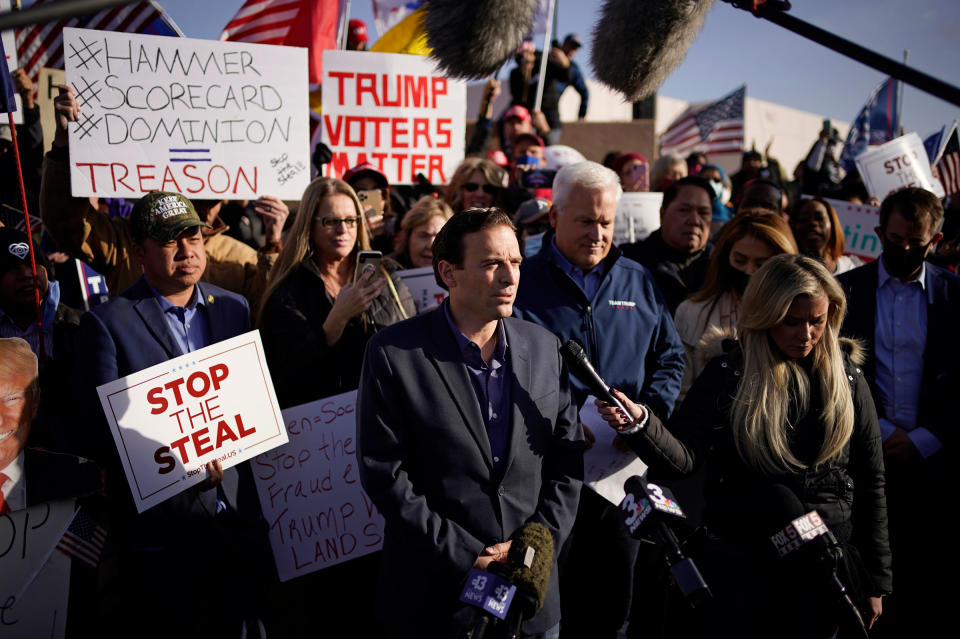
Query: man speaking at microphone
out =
(466, 431)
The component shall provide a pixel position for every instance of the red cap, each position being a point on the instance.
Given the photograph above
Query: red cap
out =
(517, 111)
(369, 170)
(498, 157)
(528, 137)
(623, 158)
(357, 31)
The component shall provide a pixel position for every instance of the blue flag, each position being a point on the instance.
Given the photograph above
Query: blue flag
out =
(8, 93)
(932, 145)
(875, 124)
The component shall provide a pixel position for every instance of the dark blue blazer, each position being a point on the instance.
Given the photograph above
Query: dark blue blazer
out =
(941, 357)
(123, 336)
(425, 461)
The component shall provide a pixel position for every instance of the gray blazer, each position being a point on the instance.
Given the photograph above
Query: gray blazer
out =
(425, 461)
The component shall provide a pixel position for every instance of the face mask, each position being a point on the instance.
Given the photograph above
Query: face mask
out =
(717, 189)
(727, 194)
(738, 279)
(903, 262)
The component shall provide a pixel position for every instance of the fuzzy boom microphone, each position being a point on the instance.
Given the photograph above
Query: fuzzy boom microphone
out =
(638, 43)
(474, 39)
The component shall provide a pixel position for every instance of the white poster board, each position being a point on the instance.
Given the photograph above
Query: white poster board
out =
(34, 576)
(605, 467)
(310, 490)
(208, 119)
(858, 222)
(896, 164)
(638, 215)
(169, 420)
(10, 49)
(423, 287)
(393, 111)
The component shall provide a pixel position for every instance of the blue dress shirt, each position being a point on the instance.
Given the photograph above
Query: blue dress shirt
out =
(900, 327)
(188, 324)
(588, 281)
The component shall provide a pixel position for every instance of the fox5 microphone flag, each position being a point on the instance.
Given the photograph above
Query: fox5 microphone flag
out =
(8, 93)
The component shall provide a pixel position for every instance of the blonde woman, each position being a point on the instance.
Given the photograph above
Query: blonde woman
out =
(784, 409)
(418, 228)
(316, 316)
(476, 184)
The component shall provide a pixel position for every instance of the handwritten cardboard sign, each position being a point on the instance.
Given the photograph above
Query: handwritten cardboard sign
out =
(896, 164)
(423, 287)
(34, 577)
(310, 490)
(10, 49)
(858, 222)
(208, 119)
(638, 215)
(169, 420)
(393, 111)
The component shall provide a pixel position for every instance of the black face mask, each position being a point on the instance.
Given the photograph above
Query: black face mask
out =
(738, 279)
(902, 262)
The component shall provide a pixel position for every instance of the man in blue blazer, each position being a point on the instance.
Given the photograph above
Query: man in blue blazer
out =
(466, 431)
(907, 313)
(208, 534)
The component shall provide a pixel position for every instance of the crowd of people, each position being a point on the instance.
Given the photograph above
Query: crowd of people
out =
(754, 358)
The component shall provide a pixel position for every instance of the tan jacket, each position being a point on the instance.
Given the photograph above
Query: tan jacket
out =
(105, 243)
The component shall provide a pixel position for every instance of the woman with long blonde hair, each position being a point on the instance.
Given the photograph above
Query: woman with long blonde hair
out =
(317, 313)
(785, 409)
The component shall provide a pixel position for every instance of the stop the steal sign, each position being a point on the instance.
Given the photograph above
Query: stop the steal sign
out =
(170, 420)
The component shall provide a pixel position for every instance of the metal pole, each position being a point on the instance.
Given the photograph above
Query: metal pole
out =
(897, 127)
(543, 56)
(53, 11)
(344, 23)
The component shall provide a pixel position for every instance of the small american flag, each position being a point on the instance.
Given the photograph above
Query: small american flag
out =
(715, 128)
(42, 45)
(84, 539)
(949, 165)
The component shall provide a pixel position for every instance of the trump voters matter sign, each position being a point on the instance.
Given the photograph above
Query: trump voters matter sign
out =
(170, 420)
(394, 111)
(208, 119)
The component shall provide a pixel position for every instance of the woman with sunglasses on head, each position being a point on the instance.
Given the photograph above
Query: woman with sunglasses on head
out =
(317, 312)
(476, 184)
(785, 424)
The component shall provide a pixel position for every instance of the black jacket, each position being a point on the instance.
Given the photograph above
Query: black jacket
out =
(301, 364)
(677, 276)
(847, 491)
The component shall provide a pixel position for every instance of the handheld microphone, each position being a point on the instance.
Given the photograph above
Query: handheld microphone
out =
(649, 510)
(576, 359)
(659, 33)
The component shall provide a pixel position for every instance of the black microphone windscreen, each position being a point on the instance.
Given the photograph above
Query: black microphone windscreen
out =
(571, 352)
(638, 43)
(474, 39)
(530, 559)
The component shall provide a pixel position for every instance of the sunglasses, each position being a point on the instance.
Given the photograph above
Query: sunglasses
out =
(334, 222)
(489, 189)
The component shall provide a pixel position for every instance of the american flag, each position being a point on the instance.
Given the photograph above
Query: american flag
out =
(83, 540)
(42, 45)
(297, 23)
(715, 128)
(949, 165)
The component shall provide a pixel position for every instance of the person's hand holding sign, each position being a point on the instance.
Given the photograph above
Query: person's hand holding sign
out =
(274, 213)
(66, 110)
(214, 476)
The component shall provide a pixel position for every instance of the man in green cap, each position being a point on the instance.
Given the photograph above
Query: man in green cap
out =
(211, 528)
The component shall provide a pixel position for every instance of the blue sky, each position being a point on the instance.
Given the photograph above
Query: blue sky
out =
(735, 48)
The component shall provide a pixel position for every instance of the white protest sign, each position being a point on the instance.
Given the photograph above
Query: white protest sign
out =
(34, 576)
(896, 164)
(423, 287)
(638, 215)
(10, 50)
(858, 222)
(606, 467)
(310, 490)
(169, 420)
(393, 111)
(208, 119)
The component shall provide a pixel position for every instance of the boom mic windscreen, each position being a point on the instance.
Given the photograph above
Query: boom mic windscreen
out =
(638, 43)
(473, 39)
(530, 560)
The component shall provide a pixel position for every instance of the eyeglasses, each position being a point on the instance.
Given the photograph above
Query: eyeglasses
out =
(334, 222)
(489, 189)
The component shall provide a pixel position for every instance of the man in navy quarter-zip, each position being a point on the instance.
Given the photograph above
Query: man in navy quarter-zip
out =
(579, 286)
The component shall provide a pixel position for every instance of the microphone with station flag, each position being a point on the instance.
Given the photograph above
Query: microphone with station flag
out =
(581, 368)
(649, 512)
(806, 537)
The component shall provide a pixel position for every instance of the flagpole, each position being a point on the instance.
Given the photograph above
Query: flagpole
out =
(41, 350)
(344, 21)
(896, 128)
(543, 56)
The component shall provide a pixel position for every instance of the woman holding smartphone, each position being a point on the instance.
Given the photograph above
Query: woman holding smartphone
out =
(319, 308)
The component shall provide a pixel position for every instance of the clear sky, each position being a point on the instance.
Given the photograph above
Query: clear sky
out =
(735, 48)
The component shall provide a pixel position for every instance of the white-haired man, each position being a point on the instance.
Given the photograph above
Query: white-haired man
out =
(580, 287)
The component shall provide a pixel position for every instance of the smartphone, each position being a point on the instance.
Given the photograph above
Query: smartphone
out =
(371, 201)
(367, 259)
(640, 175)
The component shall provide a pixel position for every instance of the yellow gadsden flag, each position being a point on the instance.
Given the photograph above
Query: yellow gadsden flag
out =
(407, 36)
